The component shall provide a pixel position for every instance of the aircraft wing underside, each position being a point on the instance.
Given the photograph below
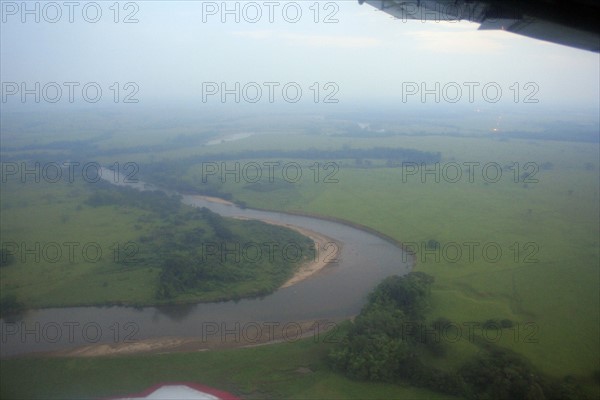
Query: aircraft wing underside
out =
(570, 23)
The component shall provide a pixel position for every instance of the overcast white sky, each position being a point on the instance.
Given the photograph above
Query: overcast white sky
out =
(170, 52)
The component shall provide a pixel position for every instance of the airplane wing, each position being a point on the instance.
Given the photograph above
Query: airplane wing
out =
(570, 23)
(179, 391)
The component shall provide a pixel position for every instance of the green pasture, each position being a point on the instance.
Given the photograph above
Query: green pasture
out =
(546, 281)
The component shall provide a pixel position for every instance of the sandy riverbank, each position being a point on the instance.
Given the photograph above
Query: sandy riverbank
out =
(246, 336)
(212, 199)
(327, 253)
(327, 249)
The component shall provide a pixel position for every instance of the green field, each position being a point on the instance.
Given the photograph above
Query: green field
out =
(547, 278)
(276, 371)
(556, 288)
(546, 281)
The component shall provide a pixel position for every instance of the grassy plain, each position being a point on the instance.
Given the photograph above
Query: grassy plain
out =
(49, 215)
(549, 290)
(555, 288)
(289, 370)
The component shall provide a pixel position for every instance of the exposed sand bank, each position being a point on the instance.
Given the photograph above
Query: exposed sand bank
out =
(212, 199)
(327, 249)
(327, 253)
(321, 330)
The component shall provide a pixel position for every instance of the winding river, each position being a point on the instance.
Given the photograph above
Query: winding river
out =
(336, 292)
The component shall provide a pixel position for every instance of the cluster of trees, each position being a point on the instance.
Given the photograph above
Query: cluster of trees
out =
(169, 174)
(157, 201)
(213, 259)
(179, 250)
(498, 373)
(218, 224)
(178, 275)
(386, 343)
(177, 239)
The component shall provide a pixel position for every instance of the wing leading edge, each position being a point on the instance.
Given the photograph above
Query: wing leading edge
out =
(570, 23)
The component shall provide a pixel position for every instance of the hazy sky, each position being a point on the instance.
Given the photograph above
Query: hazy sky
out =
(176, 47)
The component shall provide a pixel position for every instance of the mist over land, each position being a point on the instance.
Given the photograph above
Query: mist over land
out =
(455, 171)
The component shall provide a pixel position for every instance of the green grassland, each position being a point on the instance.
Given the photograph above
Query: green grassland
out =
(48, 213)
(554, 290)
(552, 285)
(289, 370)
(559, 292)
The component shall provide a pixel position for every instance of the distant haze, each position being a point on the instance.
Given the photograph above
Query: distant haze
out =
(170, 56)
